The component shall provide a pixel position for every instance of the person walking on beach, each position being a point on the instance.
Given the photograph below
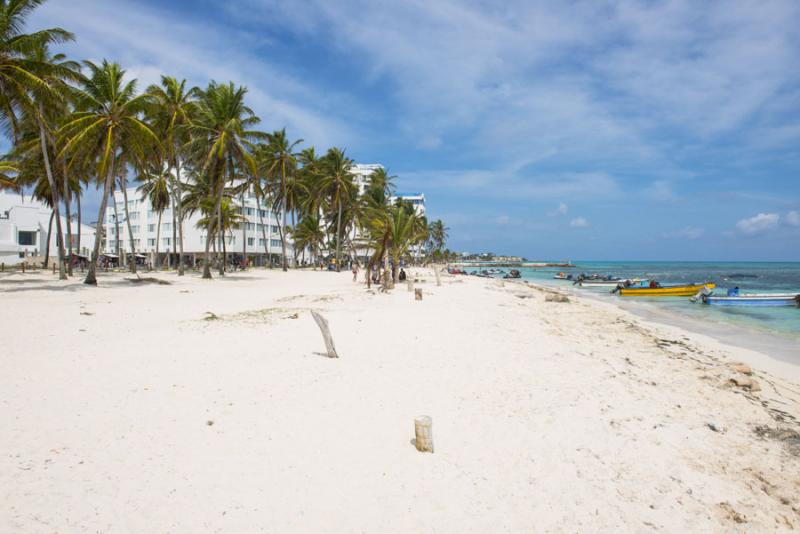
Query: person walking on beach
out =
(355, 271)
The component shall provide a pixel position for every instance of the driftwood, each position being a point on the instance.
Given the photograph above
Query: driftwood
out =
(322, 323)
(418, 293)
(423, 433)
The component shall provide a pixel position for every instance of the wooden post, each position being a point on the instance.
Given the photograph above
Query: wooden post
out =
(54, 268)
(423, 432)
(418, 293)
(326, 334)
(23, 267)
(436, 272)
(410, 284)
(3, 267)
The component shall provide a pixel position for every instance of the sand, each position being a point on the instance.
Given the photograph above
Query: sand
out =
(128, 408)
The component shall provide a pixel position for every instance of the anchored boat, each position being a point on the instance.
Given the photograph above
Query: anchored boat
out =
(685, 290)
(753, 299)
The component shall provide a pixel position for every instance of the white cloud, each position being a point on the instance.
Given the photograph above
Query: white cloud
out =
(688, 232)
(759, 224)
(562, 209)
(579, 222)
(792, 218)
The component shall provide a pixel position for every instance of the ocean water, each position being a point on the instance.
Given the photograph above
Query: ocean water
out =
(775, 330)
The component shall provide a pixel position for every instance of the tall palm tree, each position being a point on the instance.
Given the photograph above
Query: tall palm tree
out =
(281, 167)
(222, 136)
(19, 71)
(337, 184)
(107, 124)
(155, 189)
(308, 234)
(8, 171)
(171, 111)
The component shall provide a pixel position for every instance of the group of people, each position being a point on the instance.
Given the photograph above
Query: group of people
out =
(376, 276)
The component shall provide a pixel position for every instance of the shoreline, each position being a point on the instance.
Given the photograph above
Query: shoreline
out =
(771, 345)
(131, 397)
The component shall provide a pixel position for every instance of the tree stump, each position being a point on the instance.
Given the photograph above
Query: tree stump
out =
(418, 293)
(410, 284)
(322, 323)
(423, 433)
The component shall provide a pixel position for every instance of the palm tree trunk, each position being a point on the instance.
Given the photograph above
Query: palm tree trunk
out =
(67, 206)
(78, 205)
(91, 275)
(339, 237)
(244, 232)
(158, 238)
(283, 215)
(294, 245)
(263, 228)
(128, 223)
(180, 213)
(116, 230)
(62, 274)
(174, 230)
(49, 235)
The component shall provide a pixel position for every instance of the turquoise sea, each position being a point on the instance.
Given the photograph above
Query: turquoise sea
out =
(774, 330)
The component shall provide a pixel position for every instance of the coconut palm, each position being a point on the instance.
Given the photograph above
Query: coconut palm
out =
(222, 140)
(155, 189)
(106, 125)
(20, 70)
(281, 166)
(8, 171)
(170, 114)
(336, 183)
(308, 234)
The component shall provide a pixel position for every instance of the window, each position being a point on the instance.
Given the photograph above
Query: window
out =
(136, 243)
(274, 228)
(134, 216)
(262, 213)
(165, 241)
(260, 227)
(260, 242)
(26, 238)
(250, 226)
(250, 241)
(151, 242)
(249, 211)
(166, 227)
(132, 204)
(135, 228)
(275, 242)
(151, 227)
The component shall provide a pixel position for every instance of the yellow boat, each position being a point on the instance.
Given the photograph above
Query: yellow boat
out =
(666, 291)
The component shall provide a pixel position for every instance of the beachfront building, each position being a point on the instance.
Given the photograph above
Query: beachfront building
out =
(27, 231)
(258, 235)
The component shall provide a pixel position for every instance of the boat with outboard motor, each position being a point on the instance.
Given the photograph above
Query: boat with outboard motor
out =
(635, 282)
(654, 289)
(734, 298)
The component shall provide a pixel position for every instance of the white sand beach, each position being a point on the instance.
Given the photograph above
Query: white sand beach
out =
(125, 410)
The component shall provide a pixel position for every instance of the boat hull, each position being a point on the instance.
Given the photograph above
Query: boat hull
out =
(757, 301)
(674, 291)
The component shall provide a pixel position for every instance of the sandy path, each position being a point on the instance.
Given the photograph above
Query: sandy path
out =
(125, 411)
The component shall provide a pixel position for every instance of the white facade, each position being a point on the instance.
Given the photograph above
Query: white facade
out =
(144, 225)
(23, 230)
(362, 172)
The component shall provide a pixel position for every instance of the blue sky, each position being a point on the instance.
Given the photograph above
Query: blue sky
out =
(583, 130)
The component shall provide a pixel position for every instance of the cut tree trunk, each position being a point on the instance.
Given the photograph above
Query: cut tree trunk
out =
(326, 334)
(423, 433)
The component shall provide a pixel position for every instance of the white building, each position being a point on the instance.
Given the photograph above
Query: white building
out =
(144, 225)
(24, 235)
(362, 172)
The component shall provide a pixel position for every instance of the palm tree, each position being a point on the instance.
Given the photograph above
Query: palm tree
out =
(156, 190)
(309, 234)
(106, 125)
(227, 219)
(222, 140)
(170, 113)
(7, 171)
(437, 236)
(19, 71)
(337, 184)
(394, 231)
(281, 167)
